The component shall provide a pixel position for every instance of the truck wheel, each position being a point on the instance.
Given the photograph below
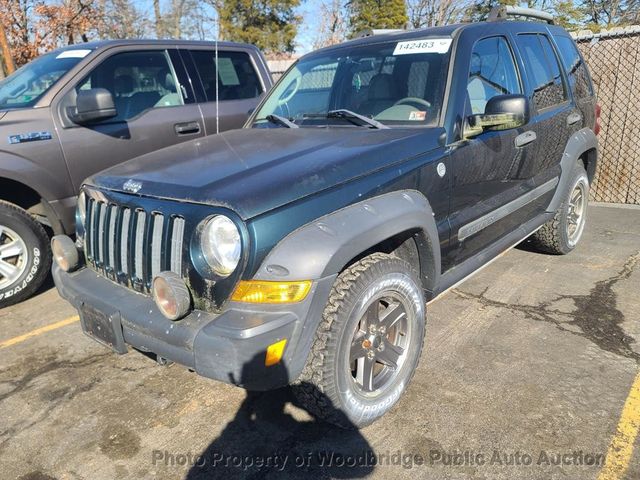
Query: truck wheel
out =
(25, 257)
(368, 344)
(562, 233)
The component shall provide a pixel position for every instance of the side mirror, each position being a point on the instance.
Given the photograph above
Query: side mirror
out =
(501, 113)
(94, 105)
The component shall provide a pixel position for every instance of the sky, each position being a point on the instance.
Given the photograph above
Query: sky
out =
(309, 11)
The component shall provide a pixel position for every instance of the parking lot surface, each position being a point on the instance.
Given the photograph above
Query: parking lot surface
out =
(529, 371)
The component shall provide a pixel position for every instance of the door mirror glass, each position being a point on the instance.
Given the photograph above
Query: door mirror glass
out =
(94, 105)
(502, 112)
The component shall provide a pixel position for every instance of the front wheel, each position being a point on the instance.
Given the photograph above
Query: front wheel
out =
(368, 344)
(561, 234)
(25, 258)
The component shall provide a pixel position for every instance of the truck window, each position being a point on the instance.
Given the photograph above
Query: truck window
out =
(543, 69)
(574, 66)
(237, 79)
(492, 72)
(138, 81)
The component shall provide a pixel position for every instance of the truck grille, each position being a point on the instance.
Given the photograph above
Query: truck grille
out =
(131, 246)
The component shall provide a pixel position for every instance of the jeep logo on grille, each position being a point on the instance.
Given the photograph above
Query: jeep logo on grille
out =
(132, 186)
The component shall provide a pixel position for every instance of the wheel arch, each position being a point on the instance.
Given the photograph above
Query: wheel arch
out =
(30, 200)
(398, 222)
(581, 147)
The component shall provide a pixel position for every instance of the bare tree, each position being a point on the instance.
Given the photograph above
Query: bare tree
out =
(333, 24)
(6, 52)
(432, 13)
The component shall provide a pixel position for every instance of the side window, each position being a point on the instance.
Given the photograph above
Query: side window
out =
(236, 77)
(492, 73)
(544, 70)
(138, 81)
(575, 67)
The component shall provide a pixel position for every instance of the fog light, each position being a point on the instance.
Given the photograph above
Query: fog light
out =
(255, 291)
(274, 353)
(65, 252)
(171, 295)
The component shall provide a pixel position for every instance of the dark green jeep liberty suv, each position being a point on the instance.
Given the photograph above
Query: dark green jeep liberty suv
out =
(376, 174)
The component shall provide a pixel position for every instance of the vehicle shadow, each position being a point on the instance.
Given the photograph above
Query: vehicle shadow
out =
(265, 440)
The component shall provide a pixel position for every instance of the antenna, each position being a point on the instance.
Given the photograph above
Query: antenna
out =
(217, 77)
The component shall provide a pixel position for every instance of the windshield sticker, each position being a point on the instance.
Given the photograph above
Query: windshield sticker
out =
(435, 45)
(227, 72)
(81, 53)
(418, 115)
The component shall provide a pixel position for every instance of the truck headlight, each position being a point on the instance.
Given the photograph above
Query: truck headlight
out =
(220, 244)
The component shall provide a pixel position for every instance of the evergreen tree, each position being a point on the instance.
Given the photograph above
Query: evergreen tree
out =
(366, 14)
(271, 25)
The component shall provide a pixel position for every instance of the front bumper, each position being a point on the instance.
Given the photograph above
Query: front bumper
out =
(229, 347)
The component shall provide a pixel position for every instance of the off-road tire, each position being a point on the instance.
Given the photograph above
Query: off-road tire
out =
(38, 262)
(553, 237)
(321, 386)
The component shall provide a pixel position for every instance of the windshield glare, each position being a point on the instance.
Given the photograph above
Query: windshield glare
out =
(24, 87)
(371, 80)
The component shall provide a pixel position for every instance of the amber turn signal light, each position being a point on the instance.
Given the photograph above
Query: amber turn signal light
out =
(274, 353)
(258, 291)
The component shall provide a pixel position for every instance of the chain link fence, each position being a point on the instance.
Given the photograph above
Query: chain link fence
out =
(613, 57)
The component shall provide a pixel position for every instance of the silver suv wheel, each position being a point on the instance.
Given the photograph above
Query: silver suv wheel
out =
(577, 209)
(14, 256)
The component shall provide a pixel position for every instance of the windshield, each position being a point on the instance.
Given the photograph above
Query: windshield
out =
(24, 87)
(396, 83)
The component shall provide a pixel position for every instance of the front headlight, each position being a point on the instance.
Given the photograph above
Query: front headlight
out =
(220, 245)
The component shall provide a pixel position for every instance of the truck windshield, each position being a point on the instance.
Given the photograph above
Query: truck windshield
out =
(26, 85)
(399, 83)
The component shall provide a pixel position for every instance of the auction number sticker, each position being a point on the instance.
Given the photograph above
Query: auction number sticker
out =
(77, 53)
(432, 45)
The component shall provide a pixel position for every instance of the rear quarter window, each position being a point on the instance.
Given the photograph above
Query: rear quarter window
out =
(574, 65)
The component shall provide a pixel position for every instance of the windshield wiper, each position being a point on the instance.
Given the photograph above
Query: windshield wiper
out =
(355, 118)
(278, 120)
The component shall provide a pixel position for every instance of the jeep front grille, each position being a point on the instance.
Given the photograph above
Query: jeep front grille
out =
(131, 246)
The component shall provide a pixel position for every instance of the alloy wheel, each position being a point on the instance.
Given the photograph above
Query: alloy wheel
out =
(14, 257)
(379, 344)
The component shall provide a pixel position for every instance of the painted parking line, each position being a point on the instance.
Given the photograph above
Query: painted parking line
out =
(39, 331)
(621, 447)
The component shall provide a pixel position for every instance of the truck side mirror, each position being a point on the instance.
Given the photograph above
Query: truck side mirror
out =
(502, 112)
(94, 105)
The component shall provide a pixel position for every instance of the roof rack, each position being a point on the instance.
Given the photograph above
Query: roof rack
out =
(504, 11)
(370, 32)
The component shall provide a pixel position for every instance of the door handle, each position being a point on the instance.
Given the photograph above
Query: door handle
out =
(525, 138)
(187, 128)
(573, 118)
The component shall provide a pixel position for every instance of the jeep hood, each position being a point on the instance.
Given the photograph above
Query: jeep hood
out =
(256, 170)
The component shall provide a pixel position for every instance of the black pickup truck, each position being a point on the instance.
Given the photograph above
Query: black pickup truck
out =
(374, 176)
(78, 110)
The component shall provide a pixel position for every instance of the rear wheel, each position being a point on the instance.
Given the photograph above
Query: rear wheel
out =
(25, 257)
(561, 234)
(368, 344)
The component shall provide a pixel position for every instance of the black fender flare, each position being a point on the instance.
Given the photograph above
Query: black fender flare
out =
(580, 142)
(324, 246)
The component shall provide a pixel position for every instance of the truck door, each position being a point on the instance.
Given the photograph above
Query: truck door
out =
(154, 107)
(236, 85)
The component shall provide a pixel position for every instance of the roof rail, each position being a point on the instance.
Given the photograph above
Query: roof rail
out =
(370, 32)
(502, 12)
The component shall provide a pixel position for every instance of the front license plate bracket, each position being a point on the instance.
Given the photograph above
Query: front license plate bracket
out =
(104, 328)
